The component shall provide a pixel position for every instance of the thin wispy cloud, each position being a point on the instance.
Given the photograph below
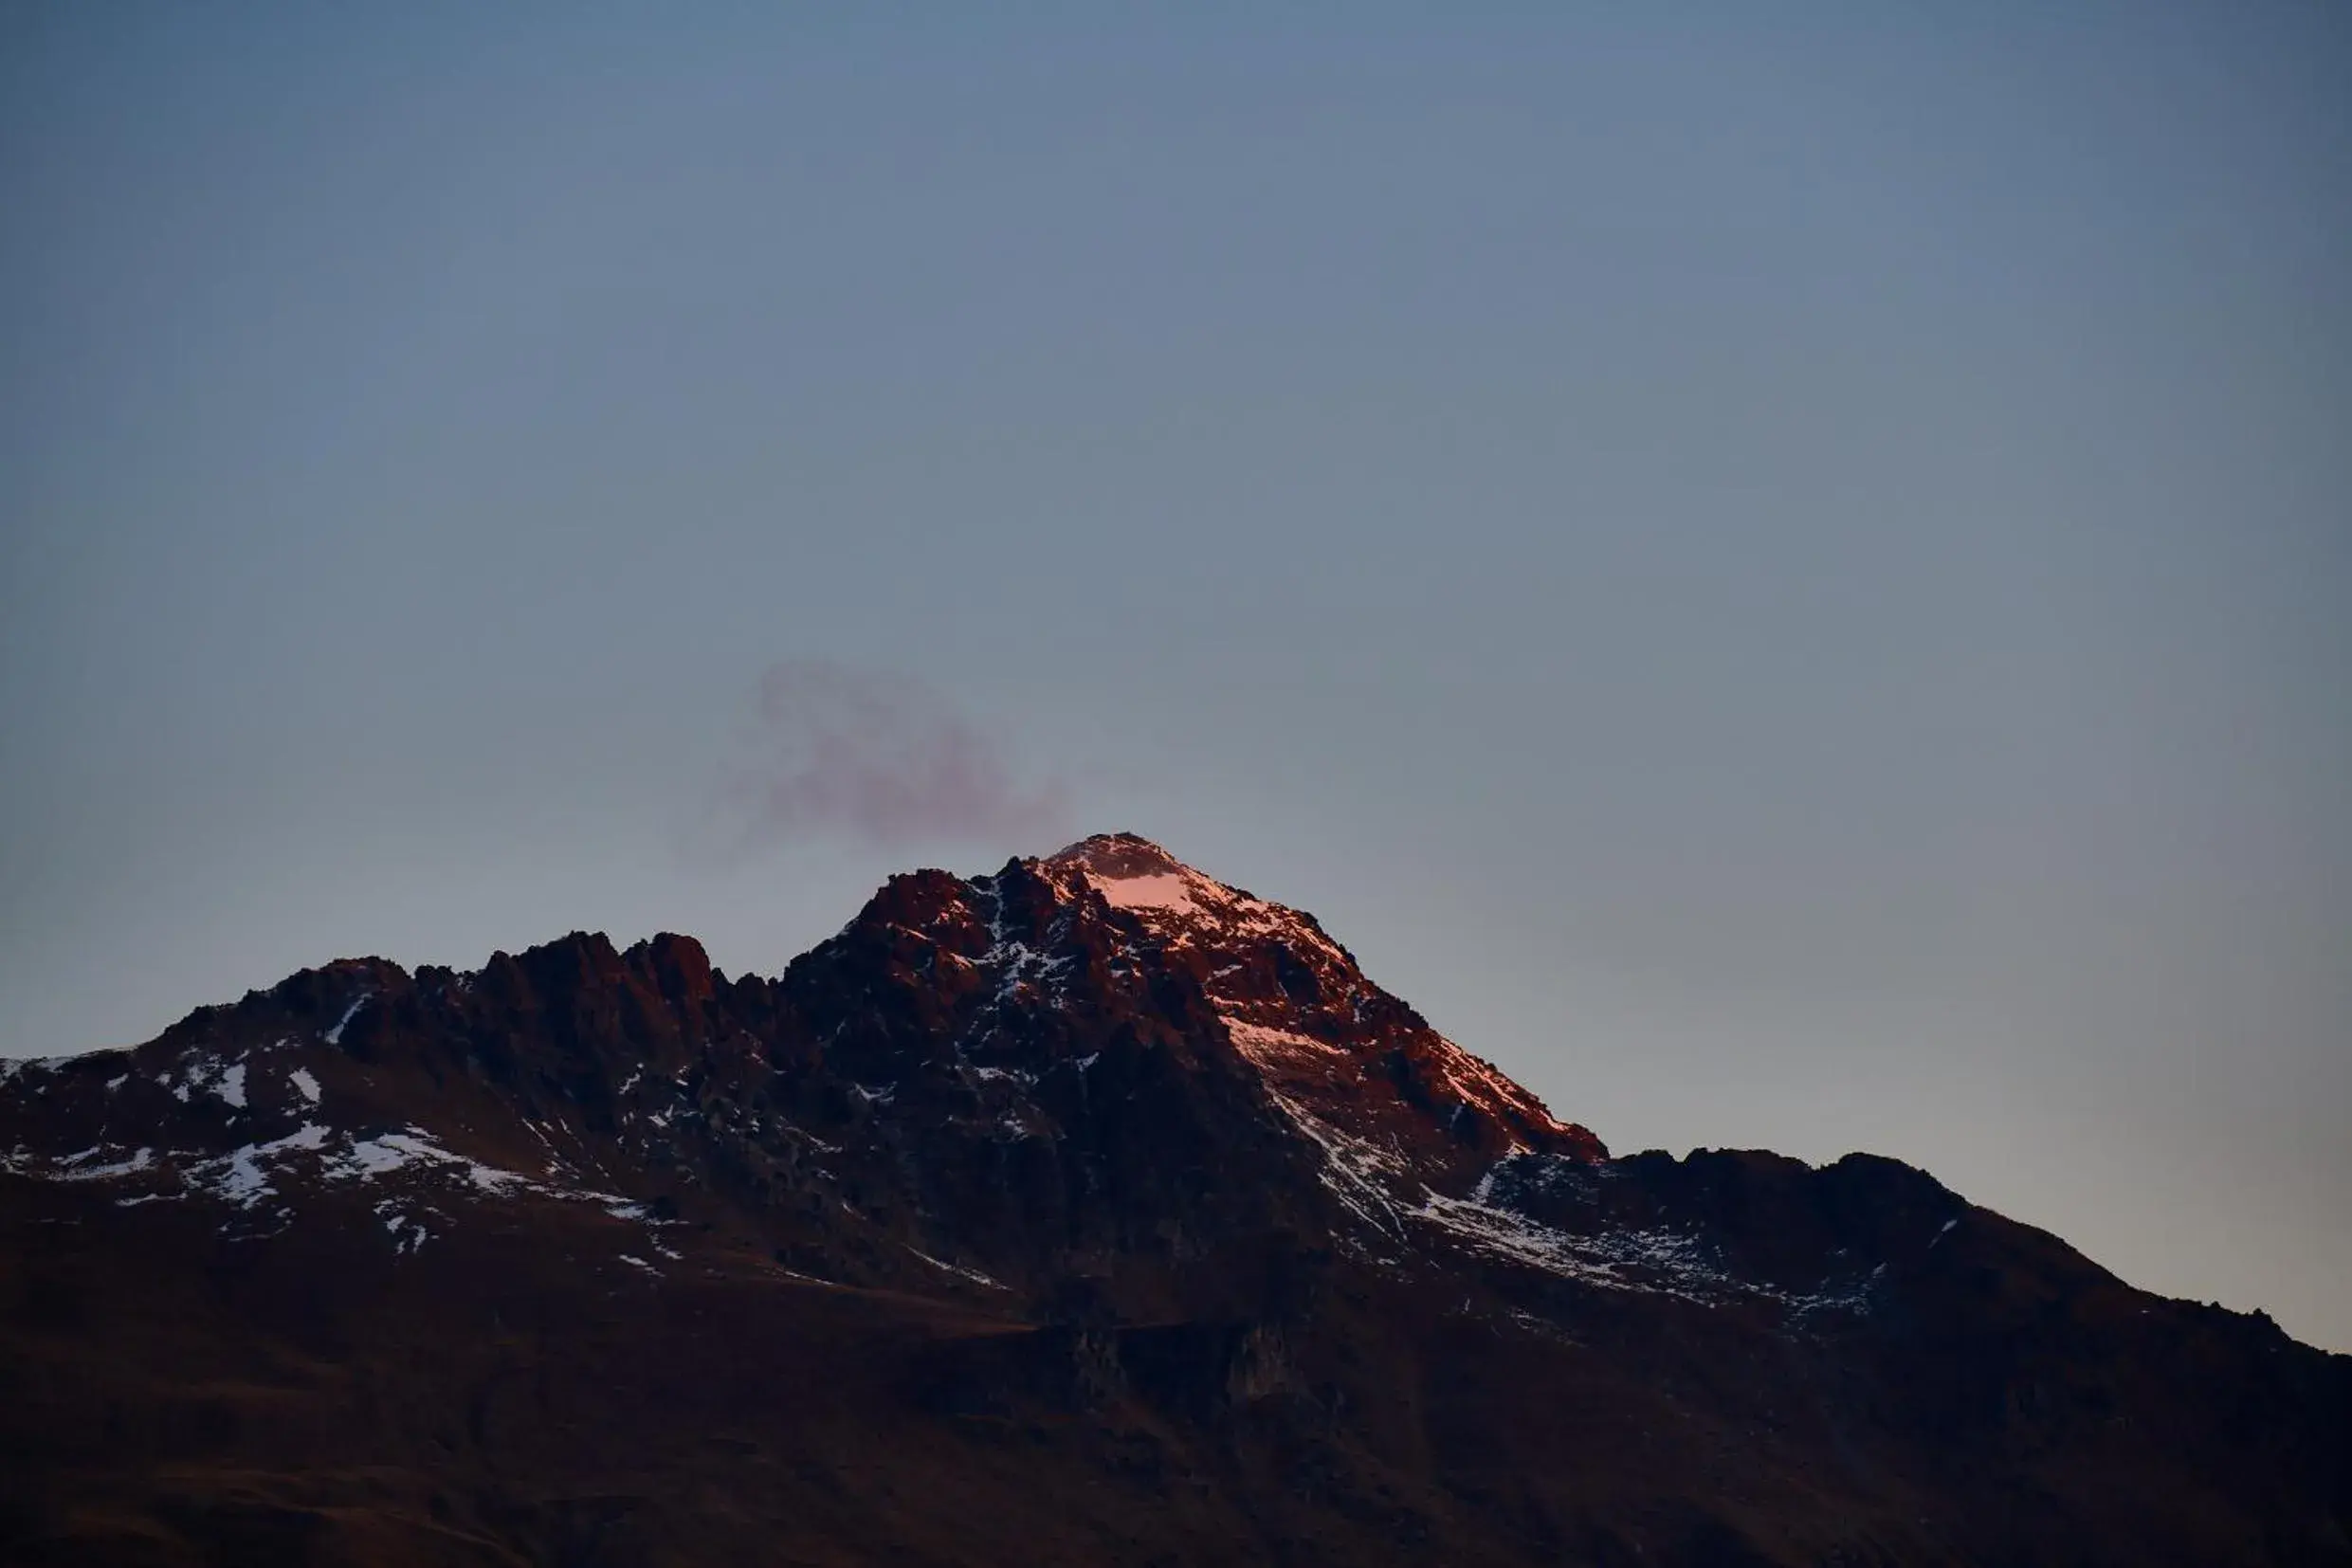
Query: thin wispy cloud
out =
(834, 750)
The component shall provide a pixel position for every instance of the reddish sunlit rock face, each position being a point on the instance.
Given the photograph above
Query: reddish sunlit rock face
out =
(1331, 1044)
(1091, 1211)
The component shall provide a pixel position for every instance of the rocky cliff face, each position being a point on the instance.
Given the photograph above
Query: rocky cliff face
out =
(1093, 1211)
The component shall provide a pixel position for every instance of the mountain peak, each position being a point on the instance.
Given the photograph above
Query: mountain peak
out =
(1095, 1153)
(1336, 1050)
(1133, 873)
(1118, 856)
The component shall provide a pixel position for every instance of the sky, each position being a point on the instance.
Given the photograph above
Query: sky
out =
(1784, 574)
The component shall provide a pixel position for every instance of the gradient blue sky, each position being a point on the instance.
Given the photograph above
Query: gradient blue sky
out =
(1787, 578)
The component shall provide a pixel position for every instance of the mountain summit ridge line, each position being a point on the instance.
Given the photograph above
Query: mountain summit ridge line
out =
(1101, 1212)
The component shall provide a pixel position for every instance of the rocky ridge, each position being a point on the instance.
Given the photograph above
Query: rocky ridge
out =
(1095, 1149)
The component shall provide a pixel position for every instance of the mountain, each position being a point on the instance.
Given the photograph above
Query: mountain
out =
(1092, 1211)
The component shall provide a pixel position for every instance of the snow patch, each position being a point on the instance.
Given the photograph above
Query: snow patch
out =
(1266, 1045)
(1352, 1167)
(239, 1180)
(407, 1230)
(1650, 1262)
(961, 1272)
(74, 1167)
(335, 1035)
(1021, 964)
(1654, 1262)
(1477, 1082)
(1166, 890)
(381, 1155)
(246, 1177)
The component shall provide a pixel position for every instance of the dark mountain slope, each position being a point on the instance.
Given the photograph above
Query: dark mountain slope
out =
(1093, 1212)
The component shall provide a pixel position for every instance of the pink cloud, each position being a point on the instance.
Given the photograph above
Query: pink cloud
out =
(879, 757)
